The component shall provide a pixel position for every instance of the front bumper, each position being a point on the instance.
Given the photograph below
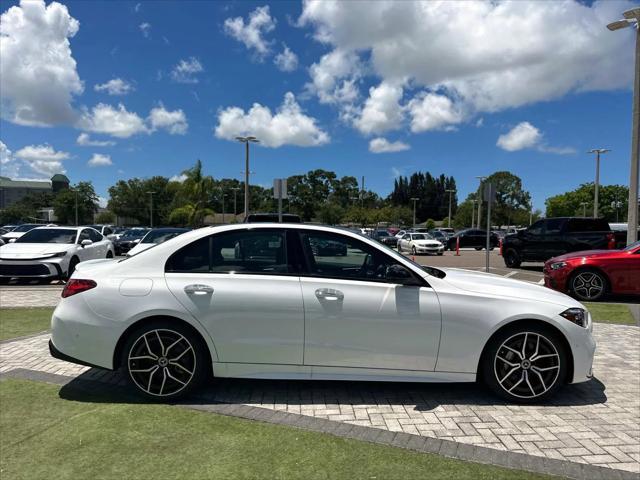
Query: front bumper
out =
(30, 269)
(432, 250)
(556, 279)
(583, 347)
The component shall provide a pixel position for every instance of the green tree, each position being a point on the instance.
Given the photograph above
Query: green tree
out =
(331, 213)
(64, 204)
(511, 199)
(131, 199)
(613, 201)
(193, 198)
(430, 224)
(105, 217)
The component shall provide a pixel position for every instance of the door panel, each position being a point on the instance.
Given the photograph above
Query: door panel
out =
(370, 324)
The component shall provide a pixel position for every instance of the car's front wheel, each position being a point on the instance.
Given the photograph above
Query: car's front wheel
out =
(512, 259)
(588, 285)
(164, 361)
(525, 364)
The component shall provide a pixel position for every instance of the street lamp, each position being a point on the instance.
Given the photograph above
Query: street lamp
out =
(414, 200)
(235, 192)
(473, 212)
(632, 19)
(246, 141)
(223, 197)
(482, 179)
(584, 208)
(151, 209)
(451, 192)
(598, 152)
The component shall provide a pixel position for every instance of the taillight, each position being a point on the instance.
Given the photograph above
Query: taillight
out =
(74, 286)
(611, 241)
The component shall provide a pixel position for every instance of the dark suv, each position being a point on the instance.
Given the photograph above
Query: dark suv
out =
(551, 237)
(472, 237)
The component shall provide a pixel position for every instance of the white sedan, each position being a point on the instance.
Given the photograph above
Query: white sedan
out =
(418, 243)
(50, 253)
(256, 301)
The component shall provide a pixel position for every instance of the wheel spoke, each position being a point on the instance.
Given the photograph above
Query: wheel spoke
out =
(514, 351)
(144, 357)
(174, 378)
(160, 342)
(517, 383)
(143, 370)
(524, 346)
(548, 355)
(526, 377)
(146, 342)
(151, 378)
(546, 369)
(509, 374)
(544, 385)
(511, 364)
(176, 364)
(175, 359)
(166, 353)
(164, 379)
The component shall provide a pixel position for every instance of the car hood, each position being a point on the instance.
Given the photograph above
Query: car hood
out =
(584, 254)
(32, 250)
(488, 283)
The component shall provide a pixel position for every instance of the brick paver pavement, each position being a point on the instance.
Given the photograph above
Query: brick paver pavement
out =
(30, 296)
(596, 423)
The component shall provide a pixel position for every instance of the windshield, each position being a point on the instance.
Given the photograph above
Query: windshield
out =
(24, 228)
(382, 233)
(419, 236)
(48, 235)
(633, 246)
(159, 236)
(129, 234)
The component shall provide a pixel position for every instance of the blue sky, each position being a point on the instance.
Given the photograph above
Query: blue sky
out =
(439, 98)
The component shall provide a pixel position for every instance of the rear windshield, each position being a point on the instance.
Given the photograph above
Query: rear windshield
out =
(159, 236)
(48, 235)
(588, 225)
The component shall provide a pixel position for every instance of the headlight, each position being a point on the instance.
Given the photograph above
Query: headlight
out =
(59, 254)
(558, 265)
(576, 315)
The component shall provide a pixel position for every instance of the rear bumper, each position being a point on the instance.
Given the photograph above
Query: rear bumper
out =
(55, 353)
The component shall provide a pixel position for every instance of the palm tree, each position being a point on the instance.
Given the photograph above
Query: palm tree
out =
(193, 198)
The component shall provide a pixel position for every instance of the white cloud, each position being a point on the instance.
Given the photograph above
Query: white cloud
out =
(174, 122)
(5, 154)
(100, 160)
(382, 145)
(431, 111)
(287, 61)
(117, 122)
(288, 126)
(38, 76)
(10, 167)
(186, 70)
(85, 140)
(115, 86)
(251, 33)
(334, 78)
(43, 159)
(553, 48)
(525, 136)
(382, 111)
(178, 178)
(145, 28)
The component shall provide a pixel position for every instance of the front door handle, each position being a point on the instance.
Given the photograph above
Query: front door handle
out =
(329, 294)
(198, 289)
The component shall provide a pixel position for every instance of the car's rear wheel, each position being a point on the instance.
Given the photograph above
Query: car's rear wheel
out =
(164, 361)
(109, 254)
(478, 248)
(588, 285)
(512, 259)
(525, 364)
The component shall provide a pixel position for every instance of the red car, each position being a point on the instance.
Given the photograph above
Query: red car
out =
(591, 274)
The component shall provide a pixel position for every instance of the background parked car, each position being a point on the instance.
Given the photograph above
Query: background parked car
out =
(129, 239)
(18, 231)
(551, 237)
(155, 237)
(272, 217)
(439, 235)
(106, 230)
(327, 248)
(592, 274)
(473, 237)
(418, 243)
(52, 252)
(384, 237)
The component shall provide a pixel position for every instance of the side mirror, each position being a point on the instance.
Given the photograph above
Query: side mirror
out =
(11, 240)
(86, 243)
(401, 275)
(137, 240)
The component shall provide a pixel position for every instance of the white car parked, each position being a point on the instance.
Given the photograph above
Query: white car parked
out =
(18, 231)
(257, 301)
(52, 252)
(418, 243)
(155, 237)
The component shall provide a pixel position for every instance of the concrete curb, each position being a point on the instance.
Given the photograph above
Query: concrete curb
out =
(418, 443)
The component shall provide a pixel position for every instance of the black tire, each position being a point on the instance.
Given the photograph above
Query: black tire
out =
(73, 263)
(512, 258)
(491, 248)
(109, 254)
(195, 362)
(593, 291)
(478, 248)
(413, 251)
(527, 385)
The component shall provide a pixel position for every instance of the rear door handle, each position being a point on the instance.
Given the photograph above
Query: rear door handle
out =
(198, 289)
(329, 294)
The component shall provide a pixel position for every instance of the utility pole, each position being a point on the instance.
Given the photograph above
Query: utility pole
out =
(473, 212)
(235, 209)
(632, 19)
(451, 192)
(482, 179)
(223, 195)
(584, 208)
(151, 208)
(414, 200)
(76, 192)
(598, 152)
(246, 141)
(362, 193)
(530, 211)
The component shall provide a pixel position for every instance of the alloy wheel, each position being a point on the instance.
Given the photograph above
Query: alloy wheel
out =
(527, 365)
(588, 285)
(162, 362)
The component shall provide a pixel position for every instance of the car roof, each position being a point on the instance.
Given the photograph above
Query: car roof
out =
(59, 228)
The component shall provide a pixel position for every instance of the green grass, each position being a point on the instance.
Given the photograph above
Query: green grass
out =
(16, 322)
(85, 436)
(611, 313)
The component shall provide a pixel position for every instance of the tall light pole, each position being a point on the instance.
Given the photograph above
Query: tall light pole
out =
(598, 152)
(76, 192)
(530, 211)
(584, 208)
(482, 179)
(473, 212)
(246, 141)
(414, 200)
(151, 208)
(632, 19)
(235, 191)
(451, 192)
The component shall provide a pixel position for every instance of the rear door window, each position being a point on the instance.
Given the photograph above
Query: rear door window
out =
(554, 226)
